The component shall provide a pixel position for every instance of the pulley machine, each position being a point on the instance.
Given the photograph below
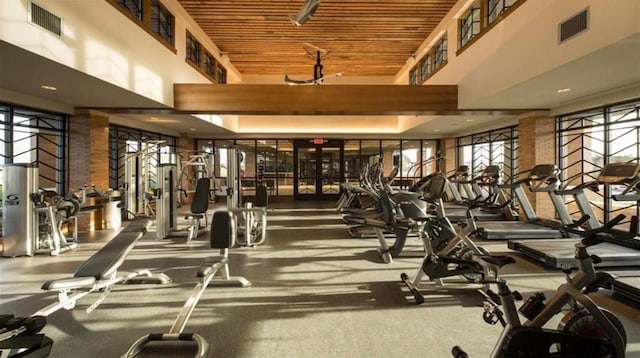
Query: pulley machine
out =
(250, 220)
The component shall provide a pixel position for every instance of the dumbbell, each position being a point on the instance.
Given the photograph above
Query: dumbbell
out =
(29, 325)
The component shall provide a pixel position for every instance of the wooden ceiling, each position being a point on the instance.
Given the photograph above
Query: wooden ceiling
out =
(363, 37)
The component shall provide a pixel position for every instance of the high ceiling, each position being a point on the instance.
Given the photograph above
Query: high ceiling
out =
(367, 38)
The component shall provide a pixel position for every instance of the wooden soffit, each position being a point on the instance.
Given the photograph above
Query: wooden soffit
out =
(315, 100)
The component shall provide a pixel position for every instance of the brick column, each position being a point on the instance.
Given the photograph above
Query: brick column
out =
(537, 145)
(89, 159)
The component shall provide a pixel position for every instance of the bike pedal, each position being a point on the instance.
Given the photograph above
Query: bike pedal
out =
(517, 296)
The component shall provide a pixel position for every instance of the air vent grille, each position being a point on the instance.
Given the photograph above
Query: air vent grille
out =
(45, 19)
(574, 25)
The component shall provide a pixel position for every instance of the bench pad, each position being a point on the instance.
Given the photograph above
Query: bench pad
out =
(109, 258)
(69, 283)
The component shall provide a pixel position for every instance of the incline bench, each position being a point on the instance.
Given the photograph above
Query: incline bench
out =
(100, 271)
(222, 238)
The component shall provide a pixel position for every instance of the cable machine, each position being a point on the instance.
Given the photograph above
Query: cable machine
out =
(140, 172)
(250, 220)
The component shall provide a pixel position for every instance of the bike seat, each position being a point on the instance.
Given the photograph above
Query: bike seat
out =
(497, 260)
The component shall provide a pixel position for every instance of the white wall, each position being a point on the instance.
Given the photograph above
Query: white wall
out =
(525, 45)
(101, 41)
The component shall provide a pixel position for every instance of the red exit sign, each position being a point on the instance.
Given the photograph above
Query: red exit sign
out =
(318, 141)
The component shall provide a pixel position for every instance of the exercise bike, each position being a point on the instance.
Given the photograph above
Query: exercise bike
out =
(449, 252)
(585, 331)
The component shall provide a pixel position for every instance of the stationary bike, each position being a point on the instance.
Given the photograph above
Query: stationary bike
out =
(454, 256)
(585, 331)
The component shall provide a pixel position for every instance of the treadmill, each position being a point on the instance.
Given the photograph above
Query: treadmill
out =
(627, 286)
(497, 207)
(541, 178)
(559, 253)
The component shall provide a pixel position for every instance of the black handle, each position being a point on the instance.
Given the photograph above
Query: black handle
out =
(457, 352)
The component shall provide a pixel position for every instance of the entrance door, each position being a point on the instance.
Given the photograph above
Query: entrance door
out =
(319, 170)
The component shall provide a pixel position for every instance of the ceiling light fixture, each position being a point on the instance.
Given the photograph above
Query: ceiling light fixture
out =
(48, 88)
(563, 90)
(305, 13)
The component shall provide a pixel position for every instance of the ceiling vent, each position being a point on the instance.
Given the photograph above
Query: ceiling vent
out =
(574, 25)
(45, 19)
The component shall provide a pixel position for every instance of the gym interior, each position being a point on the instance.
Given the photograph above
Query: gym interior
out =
(320, 178)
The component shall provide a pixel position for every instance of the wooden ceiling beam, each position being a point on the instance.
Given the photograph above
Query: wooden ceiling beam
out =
(315, 100)
(240, 28)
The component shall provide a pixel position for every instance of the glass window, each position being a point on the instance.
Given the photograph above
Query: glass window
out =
(247, 148)
(391, 158)
(497, 147)
(429, 149)
(413, 76)
(35, 137)
(410, 160)
(162, 21)
(266, 170)
(440, 53)
(134, 7)
(369, 151)
(593, 138)
(123, 140)
(193, 50)
(24, 144)
(285, 167)
(352, 161)
(222, 75)
(425, 68)
(209, 65)
(497, 7)
(470, 24)
(223, 159)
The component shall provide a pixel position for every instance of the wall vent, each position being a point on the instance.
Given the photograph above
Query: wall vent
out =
(45, 19)
(574, 25)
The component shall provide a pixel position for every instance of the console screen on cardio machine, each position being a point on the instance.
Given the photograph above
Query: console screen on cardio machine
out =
(616, 172)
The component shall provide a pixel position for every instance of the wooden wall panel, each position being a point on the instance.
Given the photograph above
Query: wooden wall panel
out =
(315, 100)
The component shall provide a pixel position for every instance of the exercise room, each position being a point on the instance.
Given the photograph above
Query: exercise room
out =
(319, 178)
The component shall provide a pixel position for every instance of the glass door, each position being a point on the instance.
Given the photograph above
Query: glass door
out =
(319, 170)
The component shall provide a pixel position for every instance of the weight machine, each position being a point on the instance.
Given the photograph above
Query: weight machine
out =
(140, 172)
(33, 217)
(249, 220)
(167, 205)
(199, 165)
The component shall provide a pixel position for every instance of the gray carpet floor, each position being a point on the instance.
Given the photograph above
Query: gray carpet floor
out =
(316, 292)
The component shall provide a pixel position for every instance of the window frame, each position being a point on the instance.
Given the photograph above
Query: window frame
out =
(467, 20)
(440, 49)
(193, 51)
(169, 37)
(485, 24)
(425, 71)
(144, 20)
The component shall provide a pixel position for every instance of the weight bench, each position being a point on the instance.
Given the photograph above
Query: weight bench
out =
(221, 238)
(100, 272)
